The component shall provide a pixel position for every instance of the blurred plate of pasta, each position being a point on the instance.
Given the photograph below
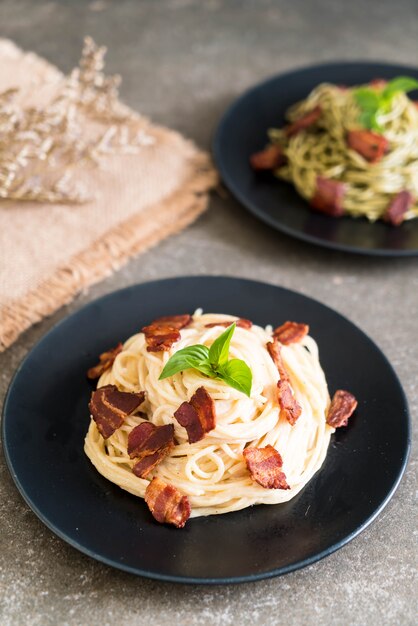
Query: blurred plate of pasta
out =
(311, 154)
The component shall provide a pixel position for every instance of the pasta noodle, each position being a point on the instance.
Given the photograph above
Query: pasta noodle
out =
(212, 471)
(322, 150)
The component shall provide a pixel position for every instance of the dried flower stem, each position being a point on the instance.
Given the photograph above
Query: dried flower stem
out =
(40, 148)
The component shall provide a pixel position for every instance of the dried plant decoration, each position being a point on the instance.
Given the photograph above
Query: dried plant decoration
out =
(91, 89)
(40, 148)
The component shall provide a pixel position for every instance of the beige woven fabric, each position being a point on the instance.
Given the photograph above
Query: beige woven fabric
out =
(49, 252)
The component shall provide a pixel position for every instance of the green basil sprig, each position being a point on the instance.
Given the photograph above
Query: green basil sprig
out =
(212, 362)
(373, 102)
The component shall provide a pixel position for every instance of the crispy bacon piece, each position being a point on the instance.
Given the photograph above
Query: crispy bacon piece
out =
(399, 205)
(342, 406)
(174, 321)
(145, 465)
(187, 416)
(275, 351)
(149, 444)
(105, 362)
(241, 323)
(138, 437)
(370, 145)
(270, 158)
(328, 197)
(303, 122)
(197, 416)
(109, 407)
(265, 466)
(290, 408)
(167, 504)
(164, 331)
(290, 332)
(160, 338)
(378, 83)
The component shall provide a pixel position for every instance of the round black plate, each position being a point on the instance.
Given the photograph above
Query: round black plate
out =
(46, 418)
(243, 131)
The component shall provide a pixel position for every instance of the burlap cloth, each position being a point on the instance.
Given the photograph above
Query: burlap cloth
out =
(49, 252)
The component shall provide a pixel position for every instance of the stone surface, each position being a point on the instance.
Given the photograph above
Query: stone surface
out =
(182, 63)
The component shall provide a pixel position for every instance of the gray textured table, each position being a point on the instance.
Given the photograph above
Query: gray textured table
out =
(183, 62)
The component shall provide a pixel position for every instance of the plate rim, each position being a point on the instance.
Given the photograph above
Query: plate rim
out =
(258, 213)
(280, 571)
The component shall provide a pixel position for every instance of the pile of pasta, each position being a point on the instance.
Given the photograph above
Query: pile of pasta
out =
(340, 162)
(230, 450)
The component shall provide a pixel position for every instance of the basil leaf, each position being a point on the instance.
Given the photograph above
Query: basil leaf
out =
(206, 368)
(373, 102)
(219, 350)
(212, 362)
(369, 102)
(192, 356)
(238, 375)
(401, 83)
(367, 99)
(368, 120)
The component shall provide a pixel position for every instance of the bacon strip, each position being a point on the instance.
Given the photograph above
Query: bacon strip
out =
(145, 465)
(290, 408)
(378, 83)
(174, 321)
(328, 197)
(275, 351)
(109, 408)
(167, 504)
(370, 145)
(164, 331)
(106, 360)
(303, 122)
(149, 444)
(342, 406)
(241, 323)
(290, 332)
(270, 158)
(197, 416)
(399, 205)
(265, 465)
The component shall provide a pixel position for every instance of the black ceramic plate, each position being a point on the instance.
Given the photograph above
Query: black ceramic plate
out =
(46, 418)
(243, 131)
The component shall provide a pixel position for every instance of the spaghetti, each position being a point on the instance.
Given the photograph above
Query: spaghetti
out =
(212, 472)
(327, 140)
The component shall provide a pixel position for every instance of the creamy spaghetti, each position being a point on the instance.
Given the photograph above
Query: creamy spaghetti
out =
(322, 150)
(212, 471)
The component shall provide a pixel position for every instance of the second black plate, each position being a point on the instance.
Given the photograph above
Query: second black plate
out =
(243, 131)
(46, 418)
